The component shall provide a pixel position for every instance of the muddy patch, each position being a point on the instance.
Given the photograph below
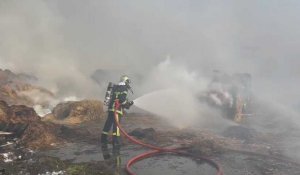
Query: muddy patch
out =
(172, 164)
(236, 163)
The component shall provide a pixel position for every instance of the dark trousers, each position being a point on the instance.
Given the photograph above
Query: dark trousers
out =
(110, 123)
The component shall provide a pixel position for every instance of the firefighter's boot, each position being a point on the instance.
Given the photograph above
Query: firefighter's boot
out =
(104, 147)
(116, 145)
(104, 141)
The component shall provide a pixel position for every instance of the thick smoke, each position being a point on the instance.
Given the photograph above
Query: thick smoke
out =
(33, 41)
(64, 42)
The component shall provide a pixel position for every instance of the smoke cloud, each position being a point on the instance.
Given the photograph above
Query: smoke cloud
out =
(170, 44)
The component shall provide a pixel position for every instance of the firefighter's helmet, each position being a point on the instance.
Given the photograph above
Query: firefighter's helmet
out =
(125, 79)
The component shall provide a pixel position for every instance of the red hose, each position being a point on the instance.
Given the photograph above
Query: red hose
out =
(157, 150)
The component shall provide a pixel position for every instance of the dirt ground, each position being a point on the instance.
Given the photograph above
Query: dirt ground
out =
(81, 153)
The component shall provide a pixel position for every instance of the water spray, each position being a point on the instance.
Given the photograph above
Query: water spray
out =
(158, 150)
(178, 107)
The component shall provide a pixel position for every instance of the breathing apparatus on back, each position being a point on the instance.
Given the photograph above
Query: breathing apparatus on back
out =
(108, 94)
(124, 80)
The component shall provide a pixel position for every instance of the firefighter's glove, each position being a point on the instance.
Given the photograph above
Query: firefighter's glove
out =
(131, 103)
(128, 104)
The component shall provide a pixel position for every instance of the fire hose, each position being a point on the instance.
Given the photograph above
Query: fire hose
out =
(158, 150)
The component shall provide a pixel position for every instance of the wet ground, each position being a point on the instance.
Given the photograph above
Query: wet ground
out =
(172, 164)
(161, 164)
(82, 154)
(236, 163)
(233, 163)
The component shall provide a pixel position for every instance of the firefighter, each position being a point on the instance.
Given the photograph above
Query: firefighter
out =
(119, 93)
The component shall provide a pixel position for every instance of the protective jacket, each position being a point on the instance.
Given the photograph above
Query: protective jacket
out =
(120, 92)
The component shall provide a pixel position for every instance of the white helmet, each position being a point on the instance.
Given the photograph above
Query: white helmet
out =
(125, 79)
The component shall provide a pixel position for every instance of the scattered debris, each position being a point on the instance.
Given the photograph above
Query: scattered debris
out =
(25, 124)
(241, 133)
(147, 133)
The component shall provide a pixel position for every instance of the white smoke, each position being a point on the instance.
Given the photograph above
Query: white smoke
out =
(41, 111)
(64, 42)
(173, 94)
(169, 74)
